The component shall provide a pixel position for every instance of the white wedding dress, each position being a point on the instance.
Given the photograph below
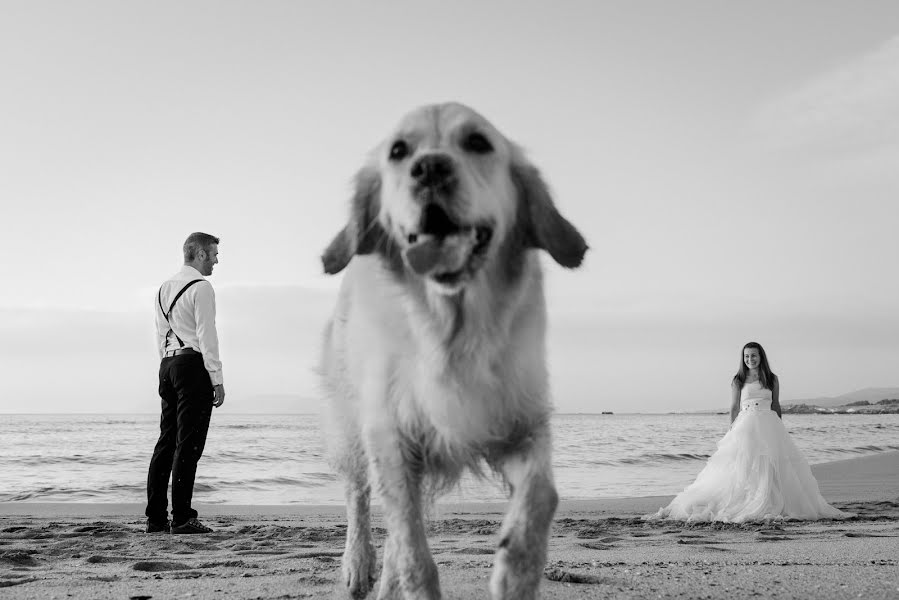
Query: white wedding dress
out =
(756, 474)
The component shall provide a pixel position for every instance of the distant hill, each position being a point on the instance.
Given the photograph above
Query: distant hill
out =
(867, 394)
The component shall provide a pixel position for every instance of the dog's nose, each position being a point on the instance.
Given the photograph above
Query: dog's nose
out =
(432, 169)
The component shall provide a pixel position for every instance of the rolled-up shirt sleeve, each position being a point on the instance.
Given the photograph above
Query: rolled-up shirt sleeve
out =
(204, 313)
(160, 336)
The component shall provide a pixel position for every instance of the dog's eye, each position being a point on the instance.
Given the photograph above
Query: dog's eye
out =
(399, 150)
(477, 143)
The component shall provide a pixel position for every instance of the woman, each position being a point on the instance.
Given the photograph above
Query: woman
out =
(757, 473)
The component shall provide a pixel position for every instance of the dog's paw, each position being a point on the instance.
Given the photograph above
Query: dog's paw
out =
(359, 571)
(508, 582)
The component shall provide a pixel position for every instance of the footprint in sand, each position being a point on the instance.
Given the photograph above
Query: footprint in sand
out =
(13, 580)
(17, 558)
(472, 551)
(317, 554)
(589, 532)
(771, 537)
(234, 564)
(703, 545)
(102, 560)
(866, 534)
(156, 566)
(563, 576)
(315, 579)
(260, 551)
(26, 533)
(96, 529)
(105, 578)
(597, 546)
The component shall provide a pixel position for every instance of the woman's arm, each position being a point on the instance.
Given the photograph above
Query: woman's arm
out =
(775, 398)
(734, 401)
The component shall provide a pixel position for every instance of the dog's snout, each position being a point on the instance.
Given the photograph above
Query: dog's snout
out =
(433, 169)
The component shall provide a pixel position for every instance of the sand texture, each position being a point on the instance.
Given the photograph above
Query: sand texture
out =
(599, 549)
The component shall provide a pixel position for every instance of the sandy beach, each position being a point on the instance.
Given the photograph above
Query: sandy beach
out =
(599, 549)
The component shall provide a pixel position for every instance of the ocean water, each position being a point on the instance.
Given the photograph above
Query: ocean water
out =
(280, 459)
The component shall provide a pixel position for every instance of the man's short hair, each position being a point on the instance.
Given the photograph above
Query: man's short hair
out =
(197, 241)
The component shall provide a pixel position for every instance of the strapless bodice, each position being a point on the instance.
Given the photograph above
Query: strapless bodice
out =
(754, 397)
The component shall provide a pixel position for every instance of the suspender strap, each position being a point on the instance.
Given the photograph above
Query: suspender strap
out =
(171, 306)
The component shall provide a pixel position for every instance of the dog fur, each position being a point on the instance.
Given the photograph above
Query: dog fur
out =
(430, 374)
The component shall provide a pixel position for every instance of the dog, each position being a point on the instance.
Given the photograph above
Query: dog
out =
(434, 358)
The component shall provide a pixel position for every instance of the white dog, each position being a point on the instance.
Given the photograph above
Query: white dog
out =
(434, 359)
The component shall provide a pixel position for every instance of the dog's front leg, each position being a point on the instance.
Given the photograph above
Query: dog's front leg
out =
(359, 555)
(521, 555)
(408, 565)
(390, 580)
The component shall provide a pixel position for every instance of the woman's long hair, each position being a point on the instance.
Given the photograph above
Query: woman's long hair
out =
(766, 377)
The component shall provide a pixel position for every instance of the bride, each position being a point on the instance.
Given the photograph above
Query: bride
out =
(757, 473)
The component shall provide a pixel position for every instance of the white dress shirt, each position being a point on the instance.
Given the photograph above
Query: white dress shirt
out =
(192, 318)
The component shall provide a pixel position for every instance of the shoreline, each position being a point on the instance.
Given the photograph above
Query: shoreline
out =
(871, 477)
(598, 548)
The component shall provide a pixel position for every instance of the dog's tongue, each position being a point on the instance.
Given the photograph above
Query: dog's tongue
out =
(435, 253)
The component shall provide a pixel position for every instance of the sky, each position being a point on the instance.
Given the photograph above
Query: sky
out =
(733, 166)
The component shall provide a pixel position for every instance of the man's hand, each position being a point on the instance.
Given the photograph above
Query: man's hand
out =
(219, 398)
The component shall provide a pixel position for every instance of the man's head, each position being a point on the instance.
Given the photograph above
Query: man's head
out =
(201, 251)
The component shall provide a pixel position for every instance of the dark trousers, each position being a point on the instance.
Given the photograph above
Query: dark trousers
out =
(187, 394)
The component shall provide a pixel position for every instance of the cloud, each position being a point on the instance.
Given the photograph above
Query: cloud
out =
(849, 112)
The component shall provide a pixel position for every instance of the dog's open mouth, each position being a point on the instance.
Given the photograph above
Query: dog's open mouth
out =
(445, 251)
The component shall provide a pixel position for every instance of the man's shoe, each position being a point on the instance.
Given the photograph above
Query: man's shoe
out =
(158, 526)
(191, 526)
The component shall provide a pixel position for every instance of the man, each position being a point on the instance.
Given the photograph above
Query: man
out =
(190, 385)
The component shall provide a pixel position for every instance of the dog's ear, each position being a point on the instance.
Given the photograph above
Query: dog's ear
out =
(363, 232)
(543, 226)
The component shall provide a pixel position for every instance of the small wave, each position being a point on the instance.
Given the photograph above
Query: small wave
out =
(662, 457)
(268, 426)
(307, 480)
(36, 460)
(268, 455)
(235, 456)
(869, 449)
(52, 493)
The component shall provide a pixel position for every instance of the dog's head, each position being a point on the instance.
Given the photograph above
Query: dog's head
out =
(442, 194)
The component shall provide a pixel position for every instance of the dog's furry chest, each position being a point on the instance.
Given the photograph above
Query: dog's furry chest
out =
(459, 388)
(465, 401)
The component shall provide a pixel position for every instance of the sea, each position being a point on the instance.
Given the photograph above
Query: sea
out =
(280, 459)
